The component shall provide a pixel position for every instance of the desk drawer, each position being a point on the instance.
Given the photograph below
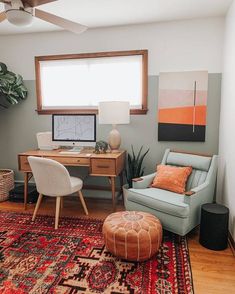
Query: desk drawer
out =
(24, 164)
(103, 166)
(72, 160)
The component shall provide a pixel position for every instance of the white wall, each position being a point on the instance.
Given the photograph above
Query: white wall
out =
(173, 46)
(226, 178)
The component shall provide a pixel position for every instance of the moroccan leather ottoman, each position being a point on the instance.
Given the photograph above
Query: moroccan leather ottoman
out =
(132, 235)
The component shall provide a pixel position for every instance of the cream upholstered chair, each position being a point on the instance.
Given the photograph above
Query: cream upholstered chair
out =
(53, 179)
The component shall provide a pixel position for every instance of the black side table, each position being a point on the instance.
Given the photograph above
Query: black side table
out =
(214, 226)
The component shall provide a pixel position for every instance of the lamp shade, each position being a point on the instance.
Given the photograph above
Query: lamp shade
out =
(114, 112)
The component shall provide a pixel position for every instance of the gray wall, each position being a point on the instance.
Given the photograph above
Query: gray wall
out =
(20, 123)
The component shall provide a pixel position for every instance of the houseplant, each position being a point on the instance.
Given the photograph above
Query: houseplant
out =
(134, 165)
(12, 89)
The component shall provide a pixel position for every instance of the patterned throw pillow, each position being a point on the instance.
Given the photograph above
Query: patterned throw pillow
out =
(172, 178)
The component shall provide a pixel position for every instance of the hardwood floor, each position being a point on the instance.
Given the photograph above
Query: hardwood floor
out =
(213, 271)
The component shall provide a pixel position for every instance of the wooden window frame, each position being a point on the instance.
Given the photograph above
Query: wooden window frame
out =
(143, 53)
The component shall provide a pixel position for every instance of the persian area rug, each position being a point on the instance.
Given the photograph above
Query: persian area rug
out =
(35, 258)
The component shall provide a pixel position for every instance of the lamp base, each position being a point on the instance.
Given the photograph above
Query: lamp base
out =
(115, 151)
(114, 140)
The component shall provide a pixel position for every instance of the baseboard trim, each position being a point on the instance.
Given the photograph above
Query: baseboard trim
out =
(231, 243)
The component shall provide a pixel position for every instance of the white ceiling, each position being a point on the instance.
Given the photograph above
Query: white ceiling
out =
(102, 13)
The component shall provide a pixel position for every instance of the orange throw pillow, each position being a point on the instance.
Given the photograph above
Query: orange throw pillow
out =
(172, 178)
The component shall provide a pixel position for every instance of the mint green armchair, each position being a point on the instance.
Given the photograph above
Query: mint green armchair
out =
(178, 213)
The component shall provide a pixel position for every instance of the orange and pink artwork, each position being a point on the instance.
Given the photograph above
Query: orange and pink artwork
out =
(182, 106)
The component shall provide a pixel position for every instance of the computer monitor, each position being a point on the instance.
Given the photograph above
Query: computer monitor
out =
(74, 129)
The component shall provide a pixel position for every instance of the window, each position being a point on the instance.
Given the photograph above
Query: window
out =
(76, 83)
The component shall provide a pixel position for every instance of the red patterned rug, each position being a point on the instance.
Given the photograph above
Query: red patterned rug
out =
(34, 258)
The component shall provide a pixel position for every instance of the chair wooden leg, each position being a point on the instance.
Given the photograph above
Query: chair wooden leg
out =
(57, 212)
(62, 202)
(37, 206)
(83, 202)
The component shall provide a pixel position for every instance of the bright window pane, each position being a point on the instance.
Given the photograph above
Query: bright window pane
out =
(82, 83)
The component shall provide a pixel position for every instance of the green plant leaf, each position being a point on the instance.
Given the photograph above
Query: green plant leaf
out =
(11, 99)
(11, 86)
(3, 68)
(138, 156)
(19, 80)
(141, 162)
(8, 78)
(133, 152)
(134, 164)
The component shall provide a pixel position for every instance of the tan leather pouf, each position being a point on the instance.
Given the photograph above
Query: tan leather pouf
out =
(132, 235)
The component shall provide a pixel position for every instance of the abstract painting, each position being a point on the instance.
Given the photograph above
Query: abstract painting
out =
(182, 106)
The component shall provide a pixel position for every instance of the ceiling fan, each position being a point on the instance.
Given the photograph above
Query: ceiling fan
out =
(21, 13)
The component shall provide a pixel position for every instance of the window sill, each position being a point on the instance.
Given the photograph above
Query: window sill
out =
(86, 111)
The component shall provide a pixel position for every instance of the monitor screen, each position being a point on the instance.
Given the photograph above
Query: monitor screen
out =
(74, 127)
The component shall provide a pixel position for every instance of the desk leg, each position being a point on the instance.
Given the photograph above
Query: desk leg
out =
(27, 177)
(26, 180)
(112, 180)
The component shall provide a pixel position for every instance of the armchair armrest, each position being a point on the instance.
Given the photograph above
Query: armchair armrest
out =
(143, 182)
(200, 187)
(201, 194)
(189, 193)
(197, 189)
(137, 179)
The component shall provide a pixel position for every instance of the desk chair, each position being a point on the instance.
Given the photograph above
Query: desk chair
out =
(53, 179)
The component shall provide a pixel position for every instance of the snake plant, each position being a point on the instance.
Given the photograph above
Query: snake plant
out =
(12, 89)
(134, 165)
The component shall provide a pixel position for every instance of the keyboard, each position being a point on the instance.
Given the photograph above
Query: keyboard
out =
(70, 152)
(75, 149)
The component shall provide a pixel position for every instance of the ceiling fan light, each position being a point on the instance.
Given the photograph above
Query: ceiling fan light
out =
(19, 17)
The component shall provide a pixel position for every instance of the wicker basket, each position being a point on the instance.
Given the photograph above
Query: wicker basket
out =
(6, 183)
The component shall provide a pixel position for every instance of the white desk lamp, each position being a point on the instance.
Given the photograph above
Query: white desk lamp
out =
(114, 113)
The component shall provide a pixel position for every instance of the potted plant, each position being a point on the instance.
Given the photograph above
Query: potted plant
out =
(12, 89)
(134, 167)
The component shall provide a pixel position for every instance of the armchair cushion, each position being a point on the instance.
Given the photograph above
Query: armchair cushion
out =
(171, 178)
(182, 159)
(161, 200)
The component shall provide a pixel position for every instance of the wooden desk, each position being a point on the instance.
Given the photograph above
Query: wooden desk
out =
(109, 165)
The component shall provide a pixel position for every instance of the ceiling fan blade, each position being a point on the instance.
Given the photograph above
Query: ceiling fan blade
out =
(34, 3)
(2, 16)
(61, 22)
(6, 1)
